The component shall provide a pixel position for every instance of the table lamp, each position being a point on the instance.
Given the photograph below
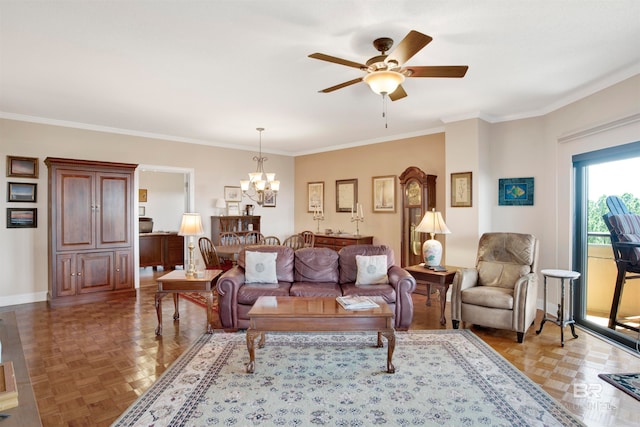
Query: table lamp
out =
(432, 223)
(191, 226)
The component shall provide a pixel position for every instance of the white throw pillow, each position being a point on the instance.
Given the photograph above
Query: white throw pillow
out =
(260, 267)
(372, 270)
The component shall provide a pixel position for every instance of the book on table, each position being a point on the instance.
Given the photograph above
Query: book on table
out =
(356, 302)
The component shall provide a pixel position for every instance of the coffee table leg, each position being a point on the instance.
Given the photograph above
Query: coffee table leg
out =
(391, 340)
(380, 345)
(159, 312)
(251, 336)
(209, 296)
(176, 313)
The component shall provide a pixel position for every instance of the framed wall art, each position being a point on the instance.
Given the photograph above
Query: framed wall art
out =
(233, 208)
(142, 195)
(461, 190)
(515, 191)
(141, 211)
(315, 196)
(346, 195)
(269, 199)
(22, 218)
(384, 193)
(22, 192)
(22, 167)
(232, 194)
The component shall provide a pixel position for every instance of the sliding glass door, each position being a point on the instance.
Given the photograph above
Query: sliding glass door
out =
(599, 174)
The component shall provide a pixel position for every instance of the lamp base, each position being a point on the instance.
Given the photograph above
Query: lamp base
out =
(432, 253)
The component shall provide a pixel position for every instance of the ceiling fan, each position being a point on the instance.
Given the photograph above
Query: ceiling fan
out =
(385, 73)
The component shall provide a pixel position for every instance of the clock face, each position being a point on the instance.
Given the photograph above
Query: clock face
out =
(413, 194)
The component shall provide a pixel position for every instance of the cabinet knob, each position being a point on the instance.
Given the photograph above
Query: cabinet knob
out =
(118, 270)
(73, 274)
(79, 274)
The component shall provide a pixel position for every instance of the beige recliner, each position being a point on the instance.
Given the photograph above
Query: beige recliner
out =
(501, 291)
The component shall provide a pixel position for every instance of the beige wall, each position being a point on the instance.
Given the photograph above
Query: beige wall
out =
(363, 163)
(23, 252)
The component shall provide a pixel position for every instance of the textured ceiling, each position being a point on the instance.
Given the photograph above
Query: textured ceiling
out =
(210, 72)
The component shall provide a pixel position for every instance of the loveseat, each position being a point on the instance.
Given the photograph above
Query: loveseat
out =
(315, 272)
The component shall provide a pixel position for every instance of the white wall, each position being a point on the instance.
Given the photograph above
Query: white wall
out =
(23, 252)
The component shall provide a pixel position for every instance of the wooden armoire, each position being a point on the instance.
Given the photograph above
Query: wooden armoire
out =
(91, 222)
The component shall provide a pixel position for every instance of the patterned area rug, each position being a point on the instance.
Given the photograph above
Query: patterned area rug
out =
(448, 377)
(629, 383)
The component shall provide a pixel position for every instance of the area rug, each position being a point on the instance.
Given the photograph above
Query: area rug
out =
(447, 377)
(629, 383)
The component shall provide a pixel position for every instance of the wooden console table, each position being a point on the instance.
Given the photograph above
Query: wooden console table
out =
(26, 413)
(440, 279)
(176, 282)
(161, 249)
(339, 241)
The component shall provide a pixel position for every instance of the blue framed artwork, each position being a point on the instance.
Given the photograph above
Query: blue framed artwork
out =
(515, 191)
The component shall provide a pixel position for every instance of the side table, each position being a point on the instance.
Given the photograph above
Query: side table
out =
(440, 279)
(560, 321)
(176, 282)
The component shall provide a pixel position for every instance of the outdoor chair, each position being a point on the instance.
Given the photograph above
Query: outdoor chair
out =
(624, 227)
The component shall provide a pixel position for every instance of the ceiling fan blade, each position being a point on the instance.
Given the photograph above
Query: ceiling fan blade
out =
(438, 71)
(409, 46)
(328, 58)
(341, 85)
(399, 93)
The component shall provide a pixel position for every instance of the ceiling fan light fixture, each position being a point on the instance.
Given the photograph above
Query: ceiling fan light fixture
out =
(384, 82)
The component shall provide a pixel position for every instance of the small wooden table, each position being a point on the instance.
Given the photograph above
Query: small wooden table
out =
(176, 282)
(314, 314)
(440, 279)
(561, 320)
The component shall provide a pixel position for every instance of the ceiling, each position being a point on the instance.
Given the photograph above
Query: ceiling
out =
(210, 72)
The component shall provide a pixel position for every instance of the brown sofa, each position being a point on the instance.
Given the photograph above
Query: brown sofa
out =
(320, 272)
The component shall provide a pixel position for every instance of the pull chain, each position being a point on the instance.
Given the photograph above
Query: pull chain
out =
(384, 109)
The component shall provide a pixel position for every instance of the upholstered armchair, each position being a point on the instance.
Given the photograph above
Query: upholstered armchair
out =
(501, 291)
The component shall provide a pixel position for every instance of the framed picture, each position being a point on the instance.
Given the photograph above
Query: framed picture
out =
(515, 191)
(232, 194)
(22, 167)
(384, 193)
(141, 210)
(21, 192)
(22, 218)
(269, 199)
(142, 195)
(233, 208)
(346, 195)
(461, 190)
(315, 196)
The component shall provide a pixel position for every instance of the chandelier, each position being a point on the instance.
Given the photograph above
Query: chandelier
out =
(259, 181)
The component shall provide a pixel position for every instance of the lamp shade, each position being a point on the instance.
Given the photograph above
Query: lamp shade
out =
(432, 223)
(191, 225)
(383, 81)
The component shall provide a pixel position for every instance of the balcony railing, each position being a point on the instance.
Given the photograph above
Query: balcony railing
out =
(601, 280)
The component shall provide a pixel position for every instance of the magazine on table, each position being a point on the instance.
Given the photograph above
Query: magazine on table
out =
(356, 302)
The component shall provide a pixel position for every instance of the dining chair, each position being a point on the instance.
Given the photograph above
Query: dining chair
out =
(309, 238)
(270, 240)
(295, 242)
(253, 238)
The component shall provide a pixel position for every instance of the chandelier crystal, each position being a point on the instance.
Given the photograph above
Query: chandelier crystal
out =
(259, 181)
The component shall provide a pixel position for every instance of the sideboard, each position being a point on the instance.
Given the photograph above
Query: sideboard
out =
(161, 249)
(339, 241)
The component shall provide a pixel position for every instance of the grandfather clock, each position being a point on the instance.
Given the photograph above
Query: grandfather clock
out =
(418, 196)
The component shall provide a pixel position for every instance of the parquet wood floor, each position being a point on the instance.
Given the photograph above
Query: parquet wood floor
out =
(88, 363)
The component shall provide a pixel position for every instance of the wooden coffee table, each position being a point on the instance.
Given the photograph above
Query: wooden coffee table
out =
(177, 282)
(315, 314)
